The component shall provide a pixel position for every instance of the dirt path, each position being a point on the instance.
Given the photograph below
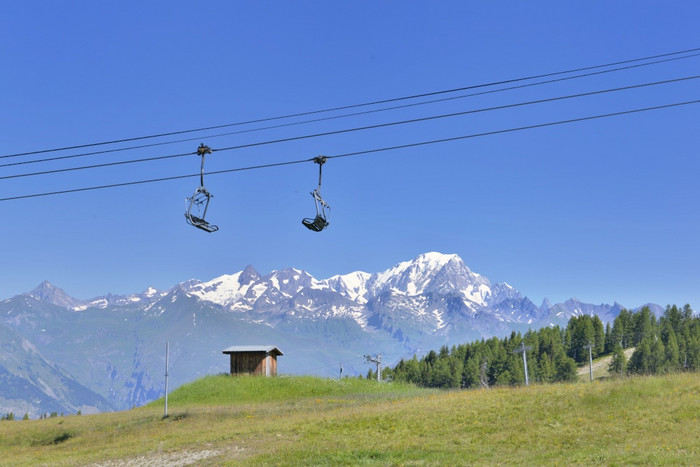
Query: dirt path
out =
(171, 459)
(601, 365)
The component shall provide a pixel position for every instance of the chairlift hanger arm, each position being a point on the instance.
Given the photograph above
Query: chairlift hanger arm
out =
(202, 150)
(320, 160)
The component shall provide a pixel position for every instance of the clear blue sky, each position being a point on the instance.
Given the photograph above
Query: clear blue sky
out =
(602, 210)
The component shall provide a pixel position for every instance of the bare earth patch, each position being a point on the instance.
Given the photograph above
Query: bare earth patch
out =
(603, 363)
(171, 459)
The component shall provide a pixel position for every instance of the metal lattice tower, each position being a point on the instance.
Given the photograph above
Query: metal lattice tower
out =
(378, 360)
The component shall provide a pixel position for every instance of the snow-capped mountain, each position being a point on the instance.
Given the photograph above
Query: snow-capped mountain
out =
(430, 273)
(113, 345)
(46, 292)
(49, 293)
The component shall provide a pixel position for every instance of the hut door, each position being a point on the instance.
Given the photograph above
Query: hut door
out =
(267, 366)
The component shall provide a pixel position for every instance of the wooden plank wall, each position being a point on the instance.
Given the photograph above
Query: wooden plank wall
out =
(253, 363)
(248, 362)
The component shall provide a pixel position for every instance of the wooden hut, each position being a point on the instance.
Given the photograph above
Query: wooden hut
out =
(253, 359)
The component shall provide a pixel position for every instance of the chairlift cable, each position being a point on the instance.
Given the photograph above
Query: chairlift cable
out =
(349, 130)
(512, 130)
(383, 101)
(455, 114)
(335, 117)
(244, 146)
(357, 153)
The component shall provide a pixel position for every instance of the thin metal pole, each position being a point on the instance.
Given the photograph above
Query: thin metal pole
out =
(523, 349)
(167, 352)
(527, 381)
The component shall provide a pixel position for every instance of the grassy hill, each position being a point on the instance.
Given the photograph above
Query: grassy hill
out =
(310, 421)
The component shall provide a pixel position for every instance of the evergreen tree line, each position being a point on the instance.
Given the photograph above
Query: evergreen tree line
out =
(10, 416)
(671, 343)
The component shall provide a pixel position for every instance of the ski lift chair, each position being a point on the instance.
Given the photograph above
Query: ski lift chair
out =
(319, 222)
(199, 201)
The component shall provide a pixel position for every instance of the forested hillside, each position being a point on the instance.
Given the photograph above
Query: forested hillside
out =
(671, 343)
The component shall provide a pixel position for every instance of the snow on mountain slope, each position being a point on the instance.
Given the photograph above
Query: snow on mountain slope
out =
(353, 285)
(227, 289)
(221, 290)
(433, 293)
(413, 277)
(429, 273)
(456, 294)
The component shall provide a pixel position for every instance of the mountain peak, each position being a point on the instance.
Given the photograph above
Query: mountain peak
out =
(49, 293)
(546, 304)
(433, 272)
(437, 256)
(248, 275)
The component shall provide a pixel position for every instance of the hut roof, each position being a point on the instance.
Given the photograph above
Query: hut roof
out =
(253, 348)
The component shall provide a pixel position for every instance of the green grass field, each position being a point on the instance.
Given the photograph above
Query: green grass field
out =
(311, 421)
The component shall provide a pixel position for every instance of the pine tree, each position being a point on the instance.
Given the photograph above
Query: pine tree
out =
(609, 347)
(617, 332)
(582, 333)
(504, 378)
(672, 352)
(657, 361)
(643, 325)
(440, 376)
(674, 317)
(618, 363)
(640, 361)
(470, 373)
(599, 337)
(516, 369)
(545, 370)
(564, 368)
(626, 328)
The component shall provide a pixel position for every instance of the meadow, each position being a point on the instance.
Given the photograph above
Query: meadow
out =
(220, 420)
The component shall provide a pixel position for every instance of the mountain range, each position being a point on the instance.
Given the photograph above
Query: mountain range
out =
(63, 354)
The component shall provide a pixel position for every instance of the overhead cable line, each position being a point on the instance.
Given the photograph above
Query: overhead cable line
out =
(357, 153)
(352, 106)
(335, 117)
(349, 130)
(511, 130)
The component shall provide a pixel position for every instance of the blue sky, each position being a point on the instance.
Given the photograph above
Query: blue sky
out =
(604, 210)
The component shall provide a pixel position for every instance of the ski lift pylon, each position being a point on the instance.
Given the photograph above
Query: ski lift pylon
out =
(319, 222)
(199, 201)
